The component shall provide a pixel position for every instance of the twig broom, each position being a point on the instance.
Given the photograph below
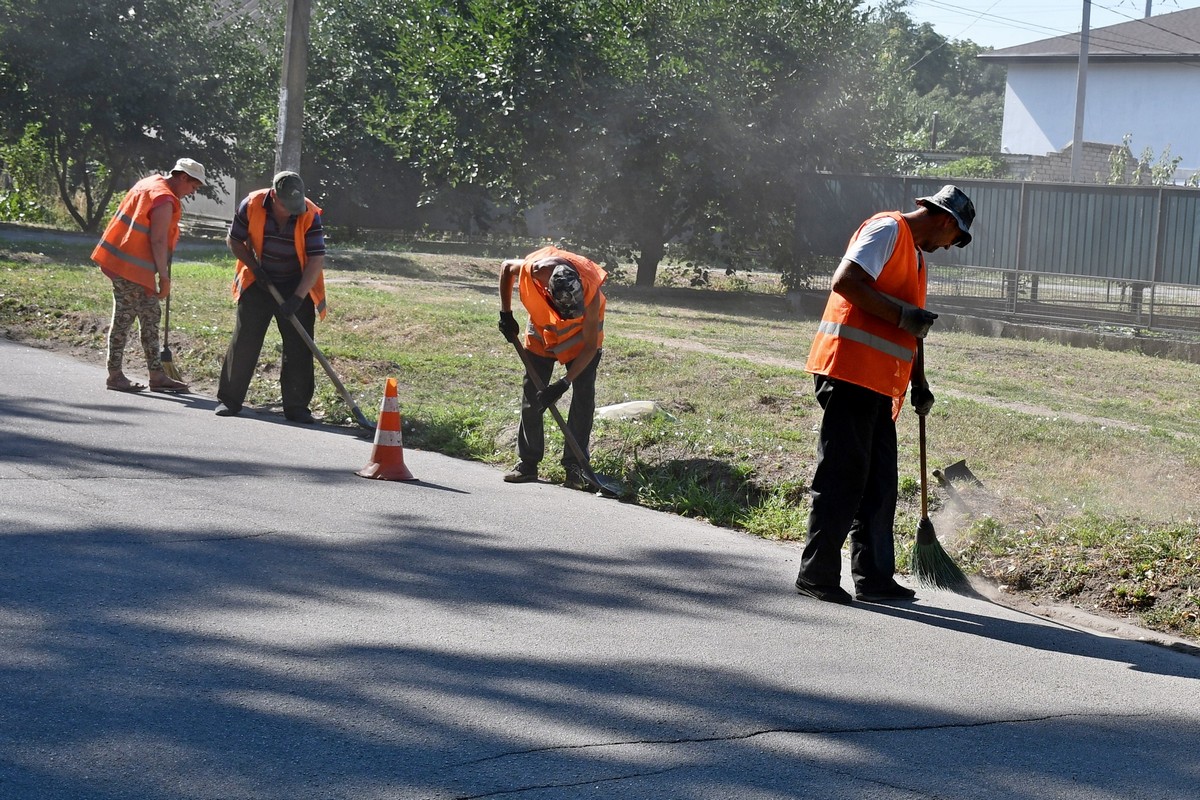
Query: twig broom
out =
(931, 564)
(166, 357)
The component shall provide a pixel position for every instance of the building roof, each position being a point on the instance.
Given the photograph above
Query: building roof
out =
(1166, 37)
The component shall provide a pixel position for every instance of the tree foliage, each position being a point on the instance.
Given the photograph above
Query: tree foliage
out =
(638, 121)
(929, 77)
(359, 175)
(115, 88)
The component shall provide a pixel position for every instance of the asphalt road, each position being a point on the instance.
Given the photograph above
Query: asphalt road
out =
(198, 607)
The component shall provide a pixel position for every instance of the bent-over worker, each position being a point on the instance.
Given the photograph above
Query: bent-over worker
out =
(561, 292)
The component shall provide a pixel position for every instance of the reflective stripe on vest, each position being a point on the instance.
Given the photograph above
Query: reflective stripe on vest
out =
(860, 348)
(869, 339)
(548, 334)
(125, 247)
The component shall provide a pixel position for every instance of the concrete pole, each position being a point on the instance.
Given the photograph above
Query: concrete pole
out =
(1080, 93)
(289, 133)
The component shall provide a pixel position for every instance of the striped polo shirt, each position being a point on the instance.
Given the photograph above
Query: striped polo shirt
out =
(279, 256)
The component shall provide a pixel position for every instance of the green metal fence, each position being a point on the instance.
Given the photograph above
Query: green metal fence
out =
(1120, 255)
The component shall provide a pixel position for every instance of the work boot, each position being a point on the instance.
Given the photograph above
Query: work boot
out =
(889, 593)
(829, 594)
(223, 410)
(577, 479)
(301, 415)
(521, 473)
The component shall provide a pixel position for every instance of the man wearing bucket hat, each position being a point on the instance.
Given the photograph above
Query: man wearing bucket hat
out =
(561, 291)
(862, 361)
(276, 236)
(135, 254)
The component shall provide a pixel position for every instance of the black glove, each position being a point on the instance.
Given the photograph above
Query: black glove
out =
(508, 326)
(916, 321)
(290, 306)
(922, 400)
(549, 396)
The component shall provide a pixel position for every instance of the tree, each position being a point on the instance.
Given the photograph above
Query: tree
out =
(927, 76)
(363, 181)
(641, 121)
(114, 88)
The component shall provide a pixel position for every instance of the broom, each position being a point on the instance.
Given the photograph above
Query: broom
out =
(166, 357)
(931, 564)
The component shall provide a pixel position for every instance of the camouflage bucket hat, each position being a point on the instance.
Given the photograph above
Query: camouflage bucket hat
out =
(954, 202)
(566, 291)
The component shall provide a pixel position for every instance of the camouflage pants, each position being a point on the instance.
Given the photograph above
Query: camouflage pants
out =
(131, 302)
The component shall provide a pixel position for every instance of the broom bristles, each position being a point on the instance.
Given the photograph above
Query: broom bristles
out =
(168, 365)
(932, 566)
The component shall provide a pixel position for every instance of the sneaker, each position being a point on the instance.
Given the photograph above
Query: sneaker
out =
(829, 594)
(576, 479)
(301, 415)
(223, 410)
(521, 473)
(893, 593)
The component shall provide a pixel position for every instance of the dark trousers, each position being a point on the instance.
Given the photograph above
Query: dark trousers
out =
(255, 310)
(853, 488)
(531, 436)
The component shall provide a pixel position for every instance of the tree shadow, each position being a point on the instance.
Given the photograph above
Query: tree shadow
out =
(294, 631)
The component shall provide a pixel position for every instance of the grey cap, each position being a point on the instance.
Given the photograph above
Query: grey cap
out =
(566, 291)
(954, 202)
(289, 190)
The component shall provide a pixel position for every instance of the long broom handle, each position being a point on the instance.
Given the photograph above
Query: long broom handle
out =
(921, 436)
(167, 319)
(359, 417)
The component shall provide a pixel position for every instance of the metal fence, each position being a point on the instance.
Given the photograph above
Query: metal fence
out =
(1107, 255)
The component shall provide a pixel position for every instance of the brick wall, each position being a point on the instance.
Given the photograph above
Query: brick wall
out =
(1094, 165)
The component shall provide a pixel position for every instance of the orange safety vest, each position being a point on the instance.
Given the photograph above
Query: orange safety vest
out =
(548, 334)
(125, 247)
(854, 346)
(257, 219)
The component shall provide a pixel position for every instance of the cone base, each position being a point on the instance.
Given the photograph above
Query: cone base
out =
(394, 472)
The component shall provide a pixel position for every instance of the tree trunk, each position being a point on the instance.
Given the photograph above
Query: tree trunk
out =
(650, 254)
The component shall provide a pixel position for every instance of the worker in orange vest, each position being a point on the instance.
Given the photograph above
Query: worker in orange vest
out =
(561, 291)
(277, 237)
(135, 254)
(862, 361)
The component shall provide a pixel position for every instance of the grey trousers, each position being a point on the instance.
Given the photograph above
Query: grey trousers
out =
(531, 436)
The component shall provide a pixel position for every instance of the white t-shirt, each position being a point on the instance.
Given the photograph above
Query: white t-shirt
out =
(874, 245)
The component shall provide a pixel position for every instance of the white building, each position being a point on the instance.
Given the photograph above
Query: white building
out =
(1143, 78)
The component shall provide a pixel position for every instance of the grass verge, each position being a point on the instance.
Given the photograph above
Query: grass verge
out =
(1088, 456)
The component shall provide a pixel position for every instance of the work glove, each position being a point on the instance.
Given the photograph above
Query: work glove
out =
(916, 321)
(509, 327)
(922, 400)
(290, 306)
(549, 396)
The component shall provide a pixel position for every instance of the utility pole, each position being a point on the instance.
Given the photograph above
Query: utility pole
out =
(290, 132)
(1080, 93)
(1148, 8)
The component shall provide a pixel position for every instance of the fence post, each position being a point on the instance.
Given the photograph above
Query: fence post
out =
(1156, 265)
(1013, 283)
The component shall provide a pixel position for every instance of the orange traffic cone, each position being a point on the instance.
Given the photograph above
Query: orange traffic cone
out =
(387, 459)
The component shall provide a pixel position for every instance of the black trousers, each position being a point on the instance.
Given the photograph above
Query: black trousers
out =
(853, 488)
(255, 310)
(531, 436)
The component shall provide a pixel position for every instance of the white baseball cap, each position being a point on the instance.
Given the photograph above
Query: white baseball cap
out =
(189, 167)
